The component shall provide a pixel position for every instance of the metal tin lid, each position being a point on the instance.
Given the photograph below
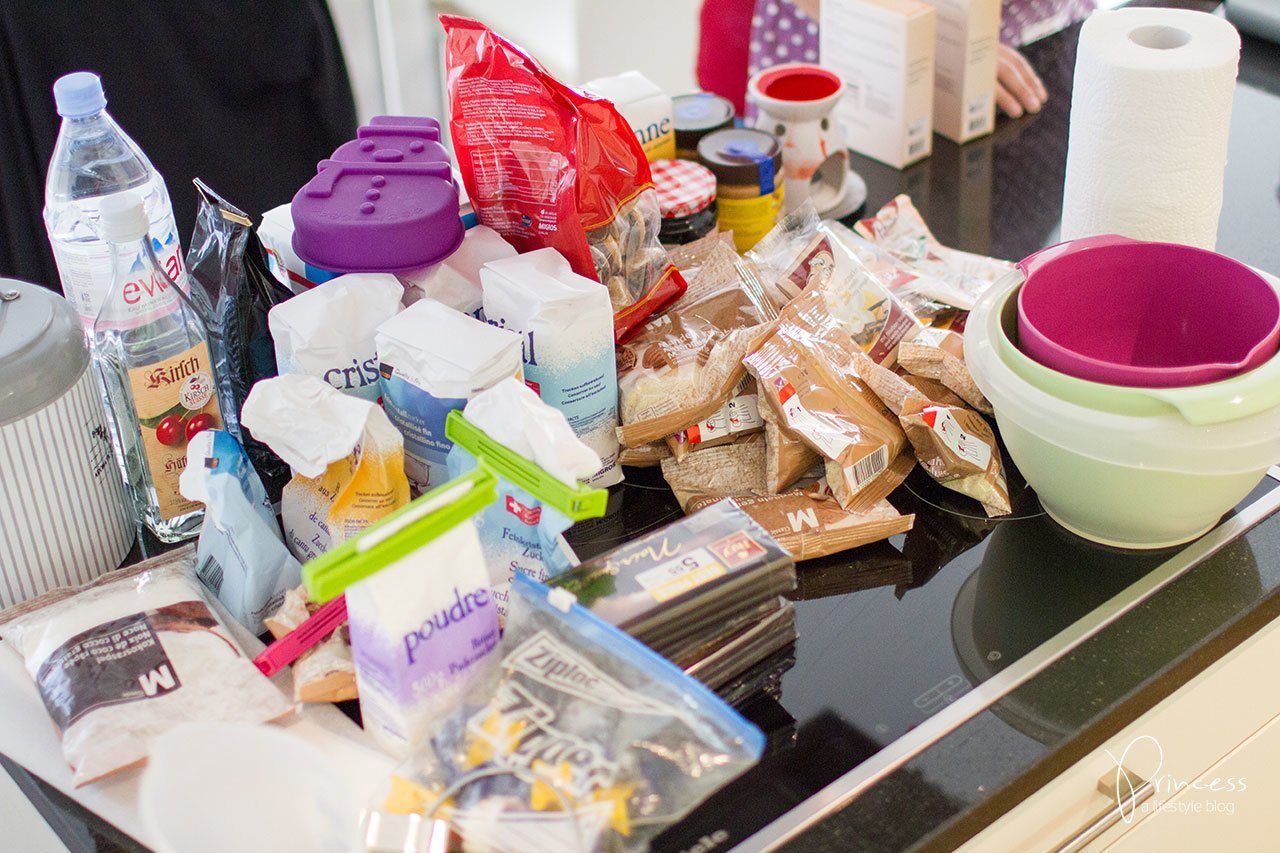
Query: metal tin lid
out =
(740, 156)
(683, 187)
(696, 115)
(42, 349)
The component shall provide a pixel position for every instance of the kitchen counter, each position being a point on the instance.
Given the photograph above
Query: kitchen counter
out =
(889, 732)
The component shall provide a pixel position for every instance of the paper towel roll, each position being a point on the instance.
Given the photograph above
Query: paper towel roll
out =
(1150, 110)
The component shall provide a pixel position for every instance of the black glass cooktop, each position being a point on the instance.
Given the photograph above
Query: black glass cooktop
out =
(892, 634)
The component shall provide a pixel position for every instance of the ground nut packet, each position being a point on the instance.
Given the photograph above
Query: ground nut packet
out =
(685, 364)
(810, 523)
(939, 354)
(954, 444)
(581, 738)
(122, 660)
(806, 372)
(728, 470)
(787, 458)
(348, 460)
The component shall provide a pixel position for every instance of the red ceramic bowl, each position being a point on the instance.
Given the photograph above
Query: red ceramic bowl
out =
(1150, 315)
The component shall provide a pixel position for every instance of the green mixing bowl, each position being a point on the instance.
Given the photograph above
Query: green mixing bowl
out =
(1238, 397)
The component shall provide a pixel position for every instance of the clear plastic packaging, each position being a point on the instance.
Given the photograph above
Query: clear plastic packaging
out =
(581, 739)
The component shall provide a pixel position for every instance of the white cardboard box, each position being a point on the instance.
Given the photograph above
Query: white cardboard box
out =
(964, 80)
(645, 107)
(884, 50)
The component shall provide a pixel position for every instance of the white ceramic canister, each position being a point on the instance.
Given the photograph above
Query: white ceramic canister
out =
(64, 516)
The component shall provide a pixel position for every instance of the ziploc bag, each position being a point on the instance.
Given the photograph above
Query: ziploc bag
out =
(420, 617)
(549, 166)
(539, 461)
(240, 556)
(348, 459)
(581, 738)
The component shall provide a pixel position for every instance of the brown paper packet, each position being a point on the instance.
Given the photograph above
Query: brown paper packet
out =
(325, 672)
(958, 449)
(739, 415)
(787, 458)
(685, 363)
(954, 444)
(939, 354)
(644, 456)
(729, 470)
(811, 525)
(806, 372)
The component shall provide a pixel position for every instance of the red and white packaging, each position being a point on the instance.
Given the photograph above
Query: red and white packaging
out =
(548, 166)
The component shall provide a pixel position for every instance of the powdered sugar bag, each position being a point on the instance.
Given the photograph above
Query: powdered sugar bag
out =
(567, 328)
(328, 331)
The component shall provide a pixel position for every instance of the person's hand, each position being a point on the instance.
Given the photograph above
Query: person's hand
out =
(1018, 88)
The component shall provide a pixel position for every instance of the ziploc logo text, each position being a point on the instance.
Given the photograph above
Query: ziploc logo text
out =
(545, 659)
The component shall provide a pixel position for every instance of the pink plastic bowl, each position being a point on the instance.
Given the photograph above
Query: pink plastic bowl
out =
(1152, 315)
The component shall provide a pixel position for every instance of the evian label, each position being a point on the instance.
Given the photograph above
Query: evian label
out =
(147, 294)
(545, 659)
(174, 399)
(86, 273)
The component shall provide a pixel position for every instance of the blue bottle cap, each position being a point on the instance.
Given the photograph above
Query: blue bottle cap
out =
(78, 94)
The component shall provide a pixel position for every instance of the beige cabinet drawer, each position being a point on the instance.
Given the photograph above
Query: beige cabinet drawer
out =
(1171, 746)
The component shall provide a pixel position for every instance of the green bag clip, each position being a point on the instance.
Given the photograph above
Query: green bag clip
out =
(576, 502)
(399, 534)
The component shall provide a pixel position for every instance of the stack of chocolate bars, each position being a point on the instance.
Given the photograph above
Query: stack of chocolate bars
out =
(705, 592)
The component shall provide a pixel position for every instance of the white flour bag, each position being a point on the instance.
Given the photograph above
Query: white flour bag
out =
(434, 359)
(566, 322)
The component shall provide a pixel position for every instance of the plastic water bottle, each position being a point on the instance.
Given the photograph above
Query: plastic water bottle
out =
(94, 159)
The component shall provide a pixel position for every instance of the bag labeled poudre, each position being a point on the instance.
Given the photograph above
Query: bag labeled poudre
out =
(567, 344)
(432, 360)
(240, 555)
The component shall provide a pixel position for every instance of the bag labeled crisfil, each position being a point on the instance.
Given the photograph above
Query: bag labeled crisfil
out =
(421, 619)
(328, 331)
(539, 463)
(567, 330)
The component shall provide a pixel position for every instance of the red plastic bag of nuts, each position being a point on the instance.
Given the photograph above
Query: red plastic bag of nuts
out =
(546, 165)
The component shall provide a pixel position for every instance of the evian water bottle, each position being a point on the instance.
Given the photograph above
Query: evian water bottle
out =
(95, 159)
